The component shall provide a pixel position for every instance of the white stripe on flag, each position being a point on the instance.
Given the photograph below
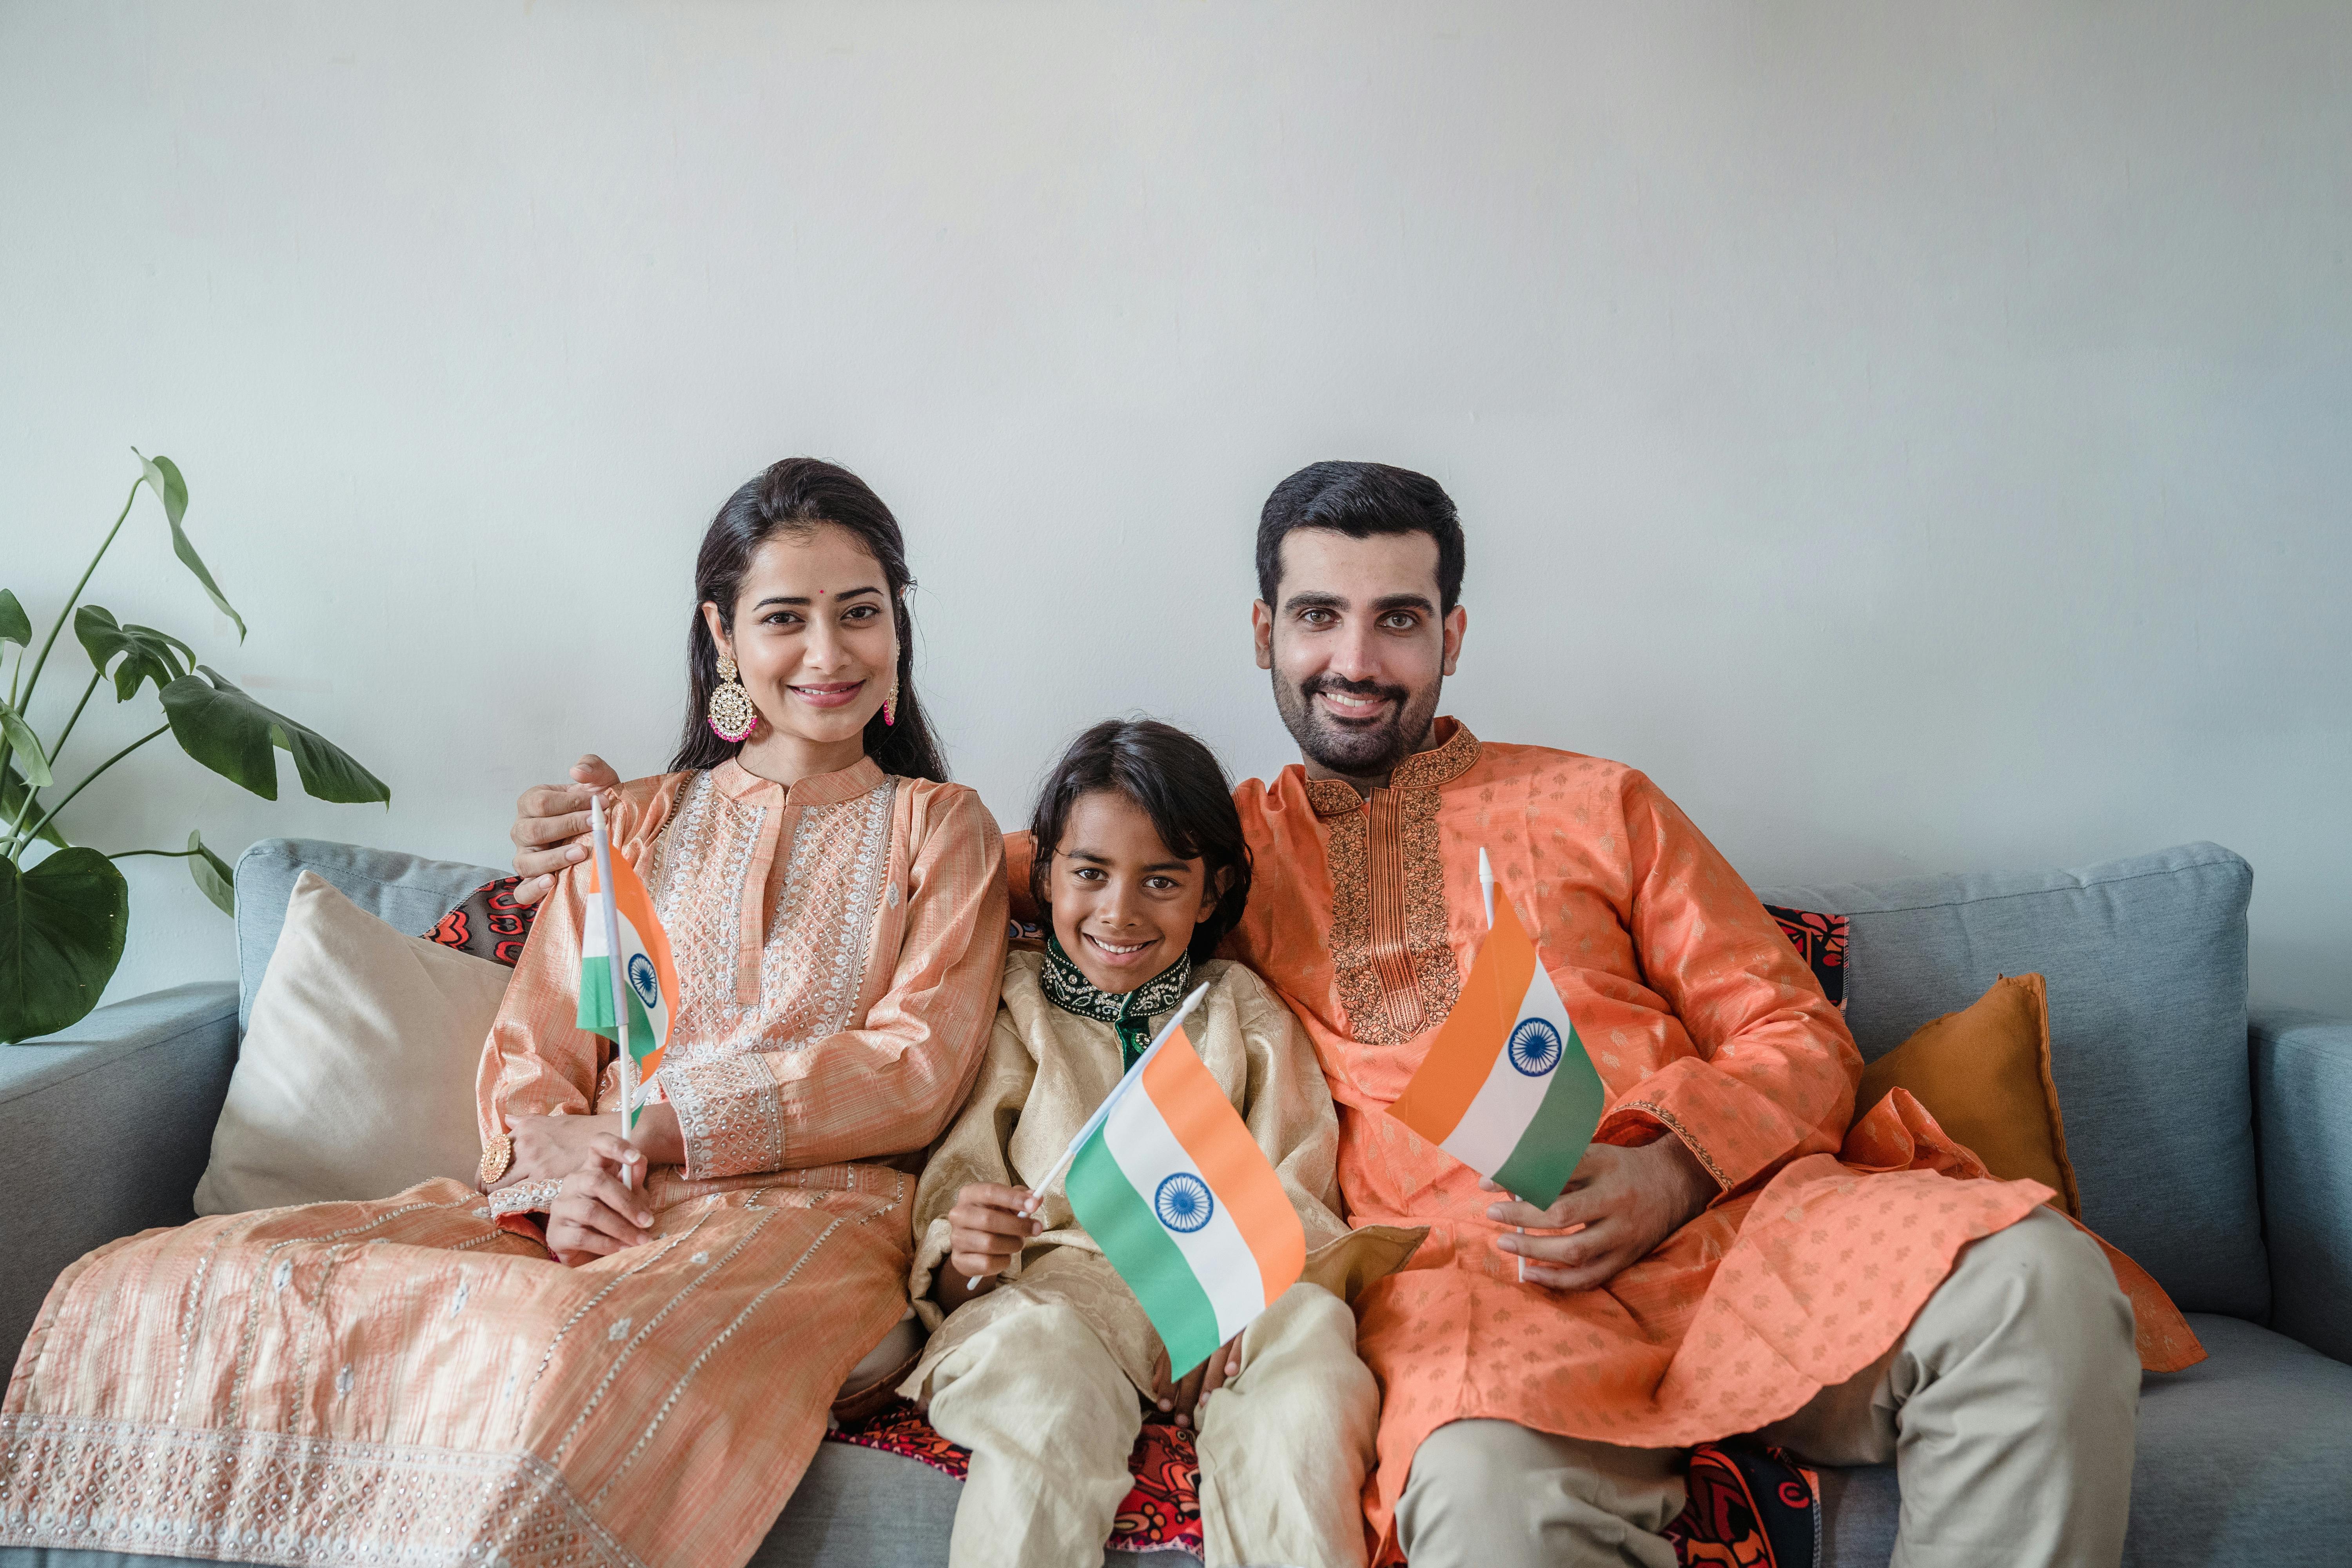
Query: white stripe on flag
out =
(1499, 1113)
(1148, 1154)
(593, 942)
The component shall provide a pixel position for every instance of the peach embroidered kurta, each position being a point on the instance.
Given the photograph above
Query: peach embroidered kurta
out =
(404, 1381)
(1705, 1026)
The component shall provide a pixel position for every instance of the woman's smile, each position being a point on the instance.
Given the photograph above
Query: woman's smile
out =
(836, 694)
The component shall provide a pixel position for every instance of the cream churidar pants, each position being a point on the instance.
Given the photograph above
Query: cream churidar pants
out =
(1050, 1419)
(2007, 1409)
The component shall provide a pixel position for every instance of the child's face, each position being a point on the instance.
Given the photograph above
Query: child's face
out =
(1124, 904)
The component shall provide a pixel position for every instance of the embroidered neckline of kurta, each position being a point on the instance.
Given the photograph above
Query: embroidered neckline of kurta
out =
(1129, 1012)
(1391, 961)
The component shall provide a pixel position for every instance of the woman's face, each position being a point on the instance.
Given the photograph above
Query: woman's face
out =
(1124, 904)
(813, 637)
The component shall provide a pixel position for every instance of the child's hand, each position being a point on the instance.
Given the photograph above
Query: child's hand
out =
(1223, 1363)
(986, 1231)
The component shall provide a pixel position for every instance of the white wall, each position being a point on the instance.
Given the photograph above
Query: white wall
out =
(1918, 436)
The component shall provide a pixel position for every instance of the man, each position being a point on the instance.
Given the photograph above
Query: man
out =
(1715, 1268)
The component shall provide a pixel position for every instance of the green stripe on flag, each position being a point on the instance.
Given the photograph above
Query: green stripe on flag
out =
(1124, 1226)
(596, 1014)
(1561, 1130)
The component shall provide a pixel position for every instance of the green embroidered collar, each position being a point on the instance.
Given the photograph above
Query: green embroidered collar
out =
(1067, 987)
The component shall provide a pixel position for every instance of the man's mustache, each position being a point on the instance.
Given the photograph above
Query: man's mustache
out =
(1396, 694)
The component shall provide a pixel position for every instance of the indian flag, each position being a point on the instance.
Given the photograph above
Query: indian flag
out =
(621, 922)
(1507, 1088)
(1177, 1194)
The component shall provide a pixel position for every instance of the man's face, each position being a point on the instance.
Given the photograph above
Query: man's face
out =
(1358, 648)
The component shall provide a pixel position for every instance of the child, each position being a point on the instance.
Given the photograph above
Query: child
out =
(1141, 869)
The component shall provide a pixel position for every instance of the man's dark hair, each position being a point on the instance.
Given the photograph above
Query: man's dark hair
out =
(1360, 499)
(1177, 781)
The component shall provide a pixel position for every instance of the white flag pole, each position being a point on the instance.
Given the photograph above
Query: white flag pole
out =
(608, 910)
(1486, 887)
(1070, 1152)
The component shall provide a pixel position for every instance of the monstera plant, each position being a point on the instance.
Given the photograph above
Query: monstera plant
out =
(65, 908)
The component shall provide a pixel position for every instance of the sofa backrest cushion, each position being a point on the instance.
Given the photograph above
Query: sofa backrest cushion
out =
(2145, 962)
(407, 892)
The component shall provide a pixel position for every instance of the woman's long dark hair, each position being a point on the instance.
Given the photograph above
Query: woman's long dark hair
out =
(1180, 785)
(798, 496)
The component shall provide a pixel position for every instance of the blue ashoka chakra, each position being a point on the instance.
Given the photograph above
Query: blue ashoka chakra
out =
(1183, 1204)
(1535, 1046)
(641, 976)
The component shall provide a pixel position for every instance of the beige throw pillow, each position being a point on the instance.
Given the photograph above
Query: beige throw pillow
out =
(356, 1078)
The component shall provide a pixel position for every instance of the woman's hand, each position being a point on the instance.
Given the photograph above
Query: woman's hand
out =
(548, 1147)
(986, 1231)
(1223, 1364)
(1621, 1203)
(596, 1215)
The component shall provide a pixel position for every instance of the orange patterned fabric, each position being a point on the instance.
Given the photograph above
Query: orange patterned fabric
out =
(800, 1041)
(405, 1381)
(1705, 1026)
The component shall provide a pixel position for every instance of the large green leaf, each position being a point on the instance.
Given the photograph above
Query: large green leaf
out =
(163, 477)
(213, 878)
(147, 654)
(15, 626)
(61, 928)
(14, 792)
(232, 734)
(28, 754)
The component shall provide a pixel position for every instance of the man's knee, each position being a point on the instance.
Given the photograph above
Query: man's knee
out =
(2046, 1290)
(1494, 1493)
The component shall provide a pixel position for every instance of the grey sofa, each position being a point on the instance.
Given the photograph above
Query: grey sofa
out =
(2215, 1148)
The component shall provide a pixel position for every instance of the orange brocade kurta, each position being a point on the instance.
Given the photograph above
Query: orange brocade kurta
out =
(405, 1381)
(1704, 1024)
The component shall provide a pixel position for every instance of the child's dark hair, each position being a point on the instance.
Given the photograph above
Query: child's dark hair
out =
(1177, 781)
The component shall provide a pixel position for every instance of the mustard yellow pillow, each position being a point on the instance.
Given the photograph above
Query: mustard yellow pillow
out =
(1983, 1073)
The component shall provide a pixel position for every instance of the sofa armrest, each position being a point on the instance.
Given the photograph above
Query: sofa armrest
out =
(2302, 1129)
(108, 1127)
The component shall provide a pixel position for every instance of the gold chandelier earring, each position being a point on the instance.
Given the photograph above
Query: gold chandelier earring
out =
(731, 716)
(890, 703)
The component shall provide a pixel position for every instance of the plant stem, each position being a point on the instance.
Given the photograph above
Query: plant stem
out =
(75, 597)
(58, 748)
(26, 836)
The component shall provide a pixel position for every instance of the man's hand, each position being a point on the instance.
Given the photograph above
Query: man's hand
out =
(1224, 1363)
(595, 1214)
(986, 1231)
(552, 825)
(1621, 1203)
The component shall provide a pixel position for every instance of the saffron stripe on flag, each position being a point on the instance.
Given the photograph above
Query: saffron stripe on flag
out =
(1193, 1105)
(1460, 1059)
(1147, 1258)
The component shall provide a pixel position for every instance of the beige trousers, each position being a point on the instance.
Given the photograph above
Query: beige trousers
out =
(2007, 1409)
(1050, 1420)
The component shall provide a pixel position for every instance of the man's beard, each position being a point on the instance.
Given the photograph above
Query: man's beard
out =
(1355, 751)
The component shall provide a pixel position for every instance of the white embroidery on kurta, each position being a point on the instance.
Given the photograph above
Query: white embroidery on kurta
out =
(831, 887)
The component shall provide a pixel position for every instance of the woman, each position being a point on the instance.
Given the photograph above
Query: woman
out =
(425, 1377)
